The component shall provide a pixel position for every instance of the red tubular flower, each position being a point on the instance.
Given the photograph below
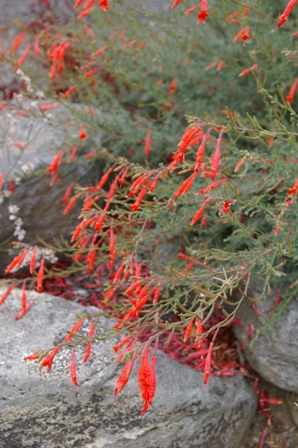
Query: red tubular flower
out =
(90, 261)
(16, 262)
(87, 352)
(91, 72)
(7, 292)
(199, 213)
(123, 176)
(216, 159)
(111, 262)
(196, 139)
(226, 207)
(138, 183)
(40, 276)
(212, 186)
(88, 4)
(188, 329)
(243, 34)
(285, 15)
(82, 135)
(101, 50)
(89, 346)
(172, 86)
(203, 14)
(46, 107)
(134, 207)
(69, 91)
(233, 15)
(291, 95)
(124, 341)
(112, 241)
(119, 272)
(292, 191)
(109, 293)
(32, 261)
(156, 296)
(199, 331)
(185, 186)
(72, 155)
(248, 70)
(74, 329)
(176, 3)
(32, 357)
(17, 41)
(91, 329)
(219, 65)
(55, 162)
(200, 153)
(99, 223)
(131, 289)
(24, 55)
(67, 193)
(147, 379)
(11, 187)
(104, 179)
(135, 310)
(25, 306)
(111, 193)
(71, 203)
(73, 372)
(104, 5)
(48, 360)
(208, 363)
(36, 46)
(154, 183)
(204, 222)
(190, 10)
(239, 164)
(148, 143)
(210, 66)
(123, 378)
(23, 298)
(85, 13)
(19, 145)
(184, 143)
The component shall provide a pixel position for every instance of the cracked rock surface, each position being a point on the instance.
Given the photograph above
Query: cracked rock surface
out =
(47, 410)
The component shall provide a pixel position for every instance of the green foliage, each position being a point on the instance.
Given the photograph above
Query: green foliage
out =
(250, 230)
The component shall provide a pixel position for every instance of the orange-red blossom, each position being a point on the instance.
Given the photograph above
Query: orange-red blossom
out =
(147, 379)
(285, 15)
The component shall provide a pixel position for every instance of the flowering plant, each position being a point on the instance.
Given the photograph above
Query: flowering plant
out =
(217, 191)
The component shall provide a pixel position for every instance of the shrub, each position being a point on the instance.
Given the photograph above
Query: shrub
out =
(189, 212)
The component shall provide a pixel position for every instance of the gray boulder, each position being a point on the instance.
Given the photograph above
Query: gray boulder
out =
(48, 410)
(27, 10)
(39, 205)
(274, 353)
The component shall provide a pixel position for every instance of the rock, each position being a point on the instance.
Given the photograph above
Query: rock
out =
(283, 430)
(39, 205)
(26, 10)
(41, 211)
(48, 410)
(274, 354)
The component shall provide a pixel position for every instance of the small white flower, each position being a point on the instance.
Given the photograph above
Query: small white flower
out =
(13, 209)
(20, 234)
(19, 222)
